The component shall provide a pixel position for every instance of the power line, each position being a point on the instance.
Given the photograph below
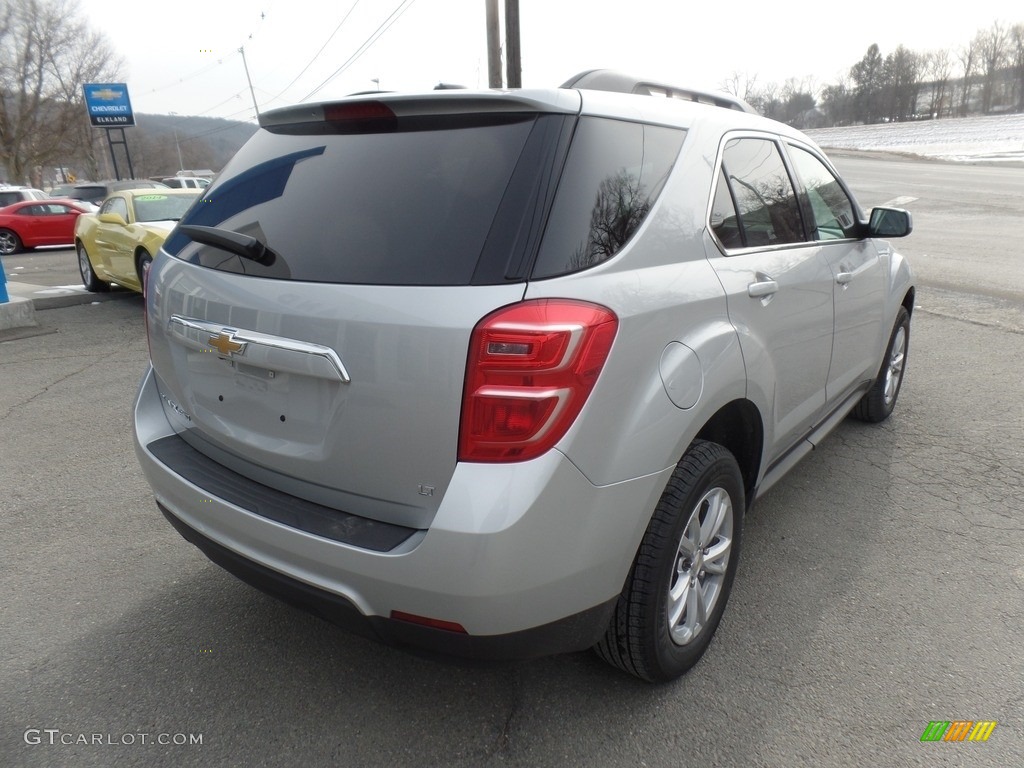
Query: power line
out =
(236, 52)
(315, 55)
(384, 27)
(195, 74)
(215, 106)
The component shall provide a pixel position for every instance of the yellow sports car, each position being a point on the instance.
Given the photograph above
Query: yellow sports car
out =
(118, 242)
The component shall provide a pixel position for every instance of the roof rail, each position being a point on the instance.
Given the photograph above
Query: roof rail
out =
(617, 82)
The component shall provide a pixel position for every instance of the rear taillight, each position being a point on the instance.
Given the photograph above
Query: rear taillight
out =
(531, 368)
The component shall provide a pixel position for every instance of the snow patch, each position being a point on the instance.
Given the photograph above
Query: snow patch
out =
(991, 138)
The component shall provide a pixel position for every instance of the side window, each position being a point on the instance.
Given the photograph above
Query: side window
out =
(613, 175)
(829, 204)
(116, 205)
(765, 205)
(33, 210)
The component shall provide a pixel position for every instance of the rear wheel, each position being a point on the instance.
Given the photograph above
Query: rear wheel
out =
(9, 242)
(677, 590)
(879, 401)
(89, 279)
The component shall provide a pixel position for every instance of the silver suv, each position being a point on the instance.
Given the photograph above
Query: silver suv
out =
(498, 374)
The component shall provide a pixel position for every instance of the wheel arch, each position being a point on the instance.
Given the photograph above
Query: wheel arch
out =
(739, 428)
(139, 250)
(908, 301)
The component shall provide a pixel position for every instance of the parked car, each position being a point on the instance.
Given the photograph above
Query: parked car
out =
(98, 191)
(10, 194)
(498, 374)
(117, 243)
(32, 223)
(62, 190)
(186, 182)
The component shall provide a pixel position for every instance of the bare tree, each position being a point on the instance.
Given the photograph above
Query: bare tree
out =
(1017, 63)
(938, 68)
(992, 44)
(968, 57)
(766, 100)
(741, 85)
(46, 54)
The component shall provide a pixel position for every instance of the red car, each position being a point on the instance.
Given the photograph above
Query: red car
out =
(32, 223)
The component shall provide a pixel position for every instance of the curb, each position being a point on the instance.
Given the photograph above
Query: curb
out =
(18, 312)
(57, 296)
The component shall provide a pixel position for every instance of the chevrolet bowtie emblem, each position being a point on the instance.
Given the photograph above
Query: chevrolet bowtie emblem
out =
(224, 342)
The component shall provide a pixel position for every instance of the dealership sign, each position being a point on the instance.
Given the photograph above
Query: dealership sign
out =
(108, 105)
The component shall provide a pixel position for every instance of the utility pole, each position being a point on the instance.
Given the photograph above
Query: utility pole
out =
(513, 61)
(493, 46)
(251, 91)
(181, 163)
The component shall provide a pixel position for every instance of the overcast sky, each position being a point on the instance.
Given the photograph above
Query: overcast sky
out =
(301, 50)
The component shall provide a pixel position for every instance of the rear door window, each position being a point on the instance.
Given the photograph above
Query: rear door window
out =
(759, 207)
(613, 175)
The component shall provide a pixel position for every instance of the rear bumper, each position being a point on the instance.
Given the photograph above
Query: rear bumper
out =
(571, 633)
(529, 558)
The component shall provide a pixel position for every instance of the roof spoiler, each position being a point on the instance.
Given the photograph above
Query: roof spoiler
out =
(618, 82)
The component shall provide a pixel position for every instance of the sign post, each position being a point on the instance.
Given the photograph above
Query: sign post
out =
(109, 107)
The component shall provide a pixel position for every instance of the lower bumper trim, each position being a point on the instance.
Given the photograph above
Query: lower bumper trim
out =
(573, 633)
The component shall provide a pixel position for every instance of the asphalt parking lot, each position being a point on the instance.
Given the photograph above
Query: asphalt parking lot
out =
(880, 589)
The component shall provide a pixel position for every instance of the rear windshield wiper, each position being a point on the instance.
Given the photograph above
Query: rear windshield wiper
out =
(246, 246)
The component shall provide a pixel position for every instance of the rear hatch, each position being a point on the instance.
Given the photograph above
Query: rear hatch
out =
(310, 330)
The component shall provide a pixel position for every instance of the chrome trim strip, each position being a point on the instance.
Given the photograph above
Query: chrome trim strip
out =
(259, 348)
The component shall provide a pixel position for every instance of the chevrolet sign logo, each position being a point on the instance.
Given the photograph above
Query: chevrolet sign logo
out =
(107, 94)
(224, 342)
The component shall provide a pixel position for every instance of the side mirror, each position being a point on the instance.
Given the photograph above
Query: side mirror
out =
(112, 218)
(890, 222)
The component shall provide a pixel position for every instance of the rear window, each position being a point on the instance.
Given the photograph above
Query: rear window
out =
(411, 206)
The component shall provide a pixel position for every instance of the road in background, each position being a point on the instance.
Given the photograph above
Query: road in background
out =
(965, 246)
(880, 588)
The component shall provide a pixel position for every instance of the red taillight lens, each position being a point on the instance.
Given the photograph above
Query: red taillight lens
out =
(531, 368)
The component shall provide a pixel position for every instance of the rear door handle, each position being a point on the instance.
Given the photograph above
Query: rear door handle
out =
(844, 277)
(762, 288)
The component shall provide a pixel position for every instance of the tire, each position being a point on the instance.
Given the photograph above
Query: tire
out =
(9, 242)
(89, 279)
(879, 401)
(143, 261)
(657, 631)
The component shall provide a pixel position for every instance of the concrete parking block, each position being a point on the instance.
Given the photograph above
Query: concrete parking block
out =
(18, 312)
